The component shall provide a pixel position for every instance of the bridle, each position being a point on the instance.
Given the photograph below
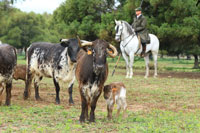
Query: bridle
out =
(120, 36)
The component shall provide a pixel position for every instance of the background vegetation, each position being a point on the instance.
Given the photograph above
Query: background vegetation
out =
(175, 22)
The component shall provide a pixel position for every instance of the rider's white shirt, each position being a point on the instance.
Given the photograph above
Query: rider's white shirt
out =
(139, 16)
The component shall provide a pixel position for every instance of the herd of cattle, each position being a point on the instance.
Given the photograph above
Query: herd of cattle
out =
(64, 62)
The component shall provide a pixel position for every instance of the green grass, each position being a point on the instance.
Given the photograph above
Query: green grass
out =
(163, 104)
(165, 64)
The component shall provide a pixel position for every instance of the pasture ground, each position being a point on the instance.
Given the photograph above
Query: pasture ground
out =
(168, 103)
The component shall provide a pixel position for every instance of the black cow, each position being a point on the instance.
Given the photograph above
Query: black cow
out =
(8, 61)
(57, 61)
(91, 73)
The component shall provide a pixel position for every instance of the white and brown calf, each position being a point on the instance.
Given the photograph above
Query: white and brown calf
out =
(115, 93)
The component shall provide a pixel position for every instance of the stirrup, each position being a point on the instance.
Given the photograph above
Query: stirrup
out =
(142, 55)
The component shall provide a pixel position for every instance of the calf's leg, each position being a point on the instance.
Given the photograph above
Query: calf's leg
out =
(110, 110)
(124, 106)
(119, 105)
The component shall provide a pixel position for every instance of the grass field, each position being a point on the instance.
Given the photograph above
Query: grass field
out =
(169, 103)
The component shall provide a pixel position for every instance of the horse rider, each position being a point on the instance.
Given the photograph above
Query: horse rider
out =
(139, 25)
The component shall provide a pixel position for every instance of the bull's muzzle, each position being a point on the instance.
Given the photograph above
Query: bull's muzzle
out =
(98, 69)
(73, 60)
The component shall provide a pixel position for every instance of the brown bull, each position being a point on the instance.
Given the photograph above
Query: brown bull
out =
(91, 73)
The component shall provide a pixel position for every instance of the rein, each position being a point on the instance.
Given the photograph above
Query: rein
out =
(129, 40)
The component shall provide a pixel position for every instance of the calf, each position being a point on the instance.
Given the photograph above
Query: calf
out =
(8, 61)
(57, 61)
(20, 72)
(91, 73)
(115, 93)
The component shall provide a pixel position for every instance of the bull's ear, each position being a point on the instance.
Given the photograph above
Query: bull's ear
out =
(64, 42)
(88, 49)
(107, 88)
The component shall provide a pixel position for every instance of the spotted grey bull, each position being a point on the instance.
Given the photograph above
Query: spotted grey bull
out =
(8, 61)
(57, 61)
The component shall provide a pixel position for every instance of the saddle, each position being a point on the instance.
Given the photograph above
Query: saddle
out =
(147, 41)
(140, 44)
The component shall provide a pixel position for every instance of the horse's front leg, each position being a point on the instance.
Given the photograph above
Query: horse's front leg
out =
(146, 58)
(127, 64)
(131, 64)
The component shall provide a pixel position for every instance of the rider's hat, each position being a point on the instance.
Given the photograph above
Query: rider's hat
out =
(138, 9)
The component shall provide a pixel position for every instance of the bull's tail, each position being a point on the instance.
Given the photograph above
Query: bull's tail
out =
(27, 90)
(27, 62)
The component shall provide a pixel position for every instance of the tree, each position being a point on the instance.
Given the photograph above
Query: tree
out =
(20, 29)
(176, 22)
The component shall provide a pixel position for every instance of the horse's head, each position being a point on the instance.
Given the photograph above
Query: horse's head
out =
(118, 29)
(123, 30)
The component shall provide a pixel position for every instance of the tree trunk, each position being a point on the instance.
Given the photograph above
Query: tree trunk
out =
(162, 55)
(188, 57)
(196, 63)
(178, 57)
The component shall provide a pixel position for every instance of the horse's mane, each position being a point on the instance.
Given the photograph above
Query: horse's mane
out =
(129, 28)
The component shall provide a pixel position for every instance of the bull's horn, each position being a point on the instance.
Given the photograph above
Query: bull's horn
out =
(86, 44)
(83, 43)
(114, 51)
(79, 41)
(64, 40)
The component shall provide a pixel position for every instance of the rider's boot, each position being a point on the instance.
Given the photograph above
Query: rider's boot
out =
(143, 50)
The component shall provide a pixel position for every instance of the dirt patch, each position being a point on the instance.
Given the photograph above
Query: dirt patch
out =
(48, 94)
(189, 75)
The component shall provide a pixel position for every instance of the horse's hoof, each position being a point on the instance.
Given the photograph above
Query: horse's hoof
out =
(71, 104)
(57, 102)
(38, 99)
(145, 77)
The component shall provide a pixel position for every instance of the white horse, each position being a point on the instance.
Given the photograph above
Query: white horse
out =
(129, 46)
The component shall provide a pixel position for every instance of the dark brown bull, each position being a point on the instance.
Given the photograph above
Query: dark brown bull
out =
(8, 60)
(91, 73)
